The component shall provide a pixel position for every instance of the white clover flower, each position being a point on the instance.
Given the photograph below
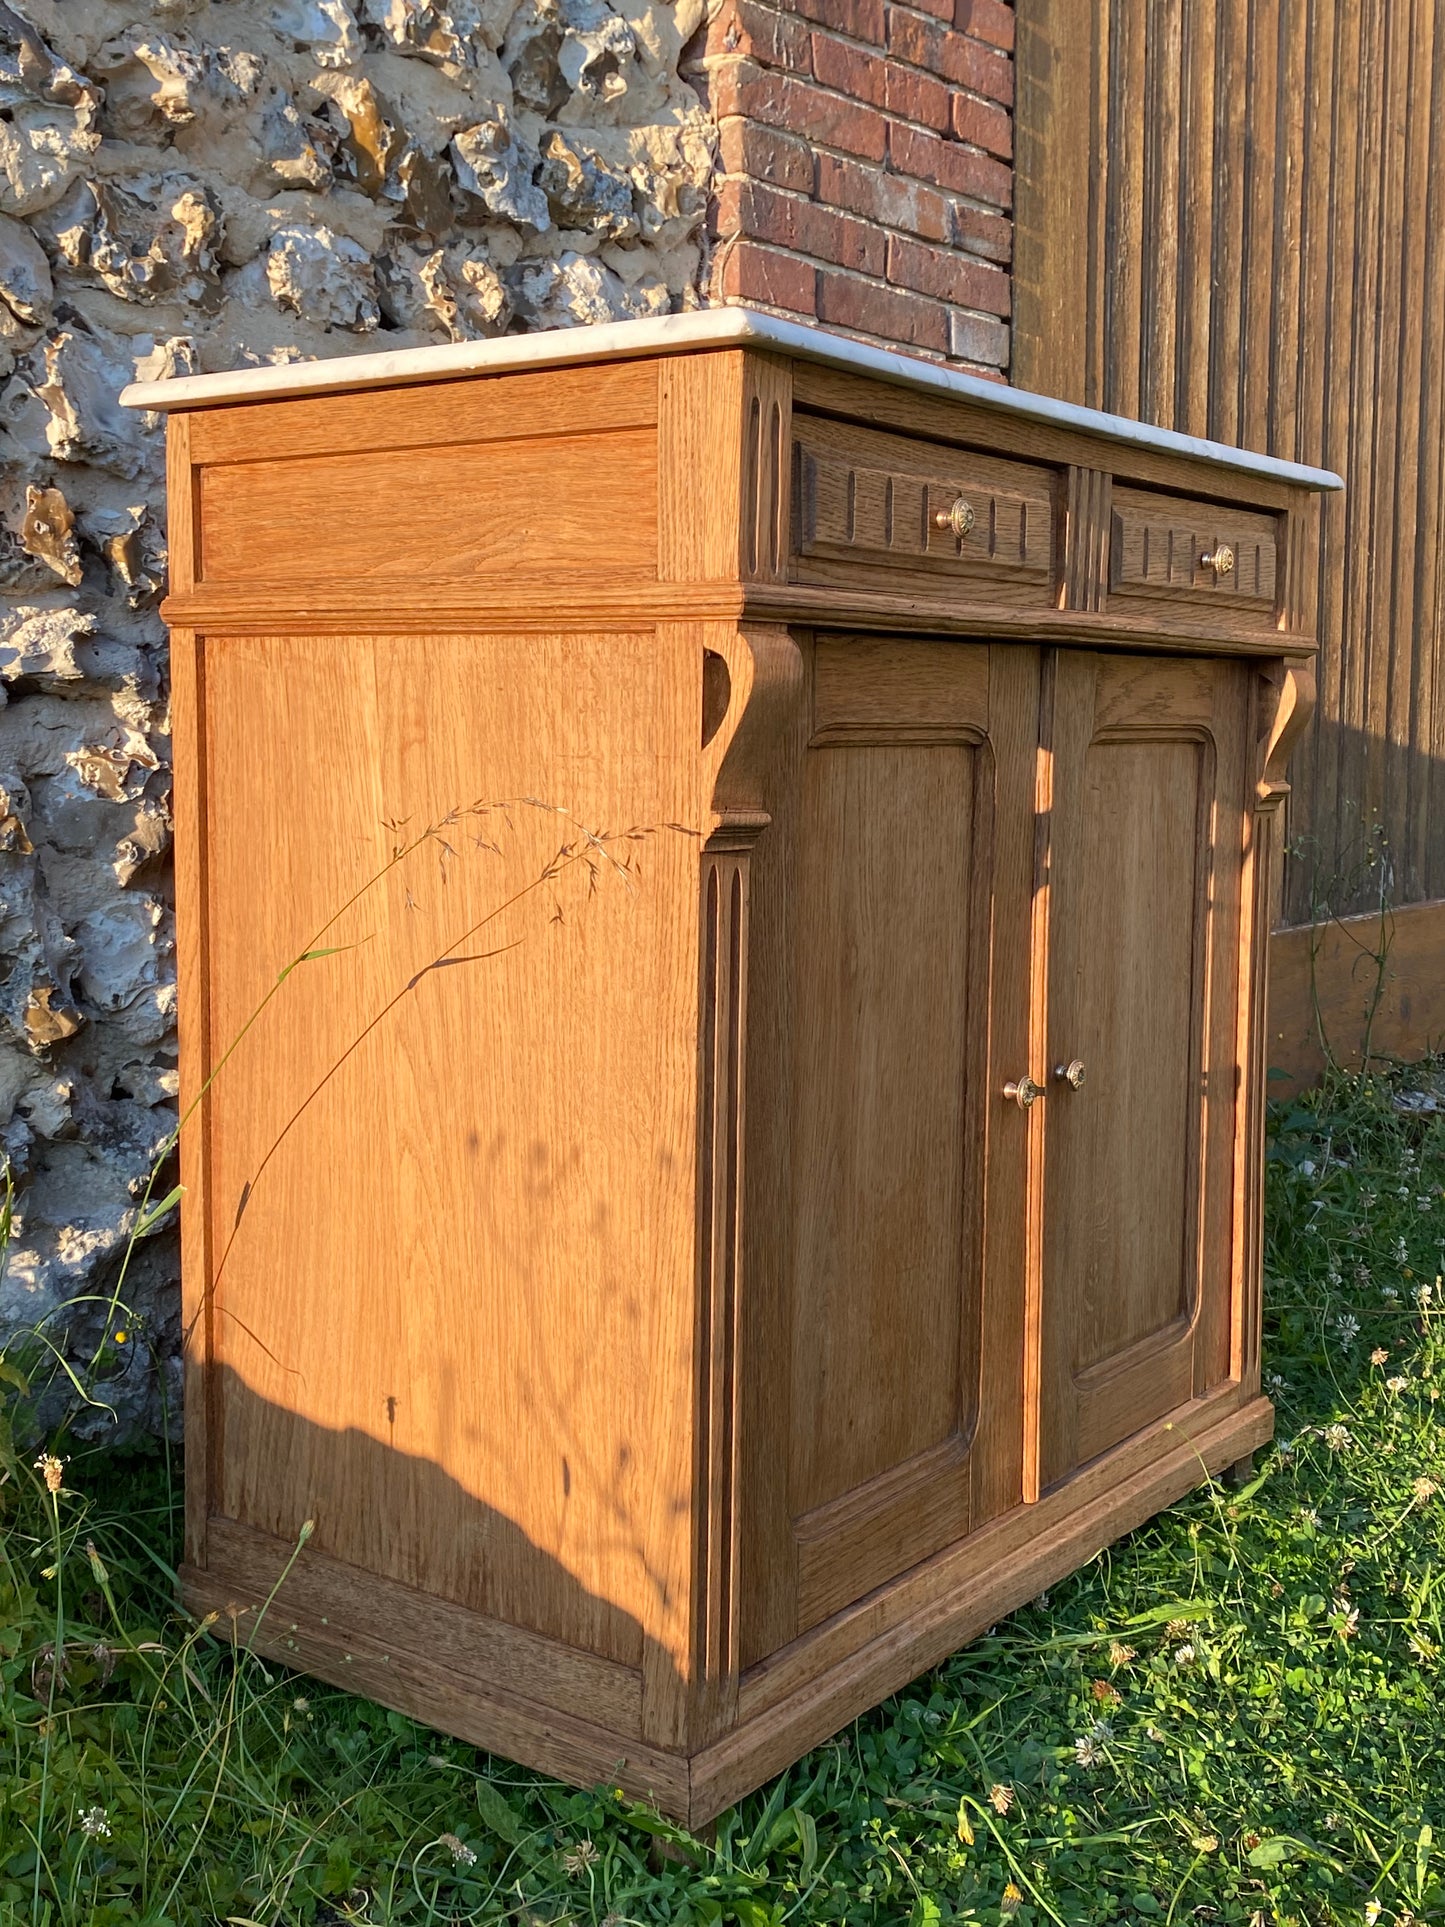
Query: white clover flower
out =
(462, 1855)
(1379, 1355)
(94, 1825)
(1184, 1655)
(1087, 1751)
(1347, 1329)
(1337, 1438)
(1277, 1383)
(1396, 1384)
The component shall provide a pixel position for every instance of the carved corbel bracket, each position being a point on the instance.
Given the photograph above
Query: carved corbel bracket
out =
(753, 678)
(1289, 701)
(752, 694)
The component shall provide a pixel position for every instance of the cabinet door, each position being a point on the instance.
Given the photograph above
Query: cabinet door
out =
(914, 871)
(1146, 763)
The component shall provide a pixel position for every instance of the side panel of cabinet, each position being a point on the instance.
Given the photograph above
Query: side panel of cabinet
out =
(892, 1367)
(1146, 844)
(485, 1129)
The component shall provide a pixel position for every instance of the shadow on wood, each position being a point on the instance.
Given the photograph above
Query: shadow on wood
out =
(1335, 985)
(440, 1659)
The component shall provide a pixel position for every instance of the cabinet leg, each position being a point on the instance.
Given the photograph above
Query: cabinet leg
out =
(1242, 1471)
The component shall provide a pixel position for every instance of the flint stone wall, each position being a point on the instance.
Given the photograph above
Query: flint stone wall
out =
(194, 186)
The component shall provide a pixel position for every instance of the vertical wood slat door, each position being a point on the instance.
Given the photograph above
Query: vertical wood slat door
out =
(904, 1396)
(1144, 861)
(1230, 220)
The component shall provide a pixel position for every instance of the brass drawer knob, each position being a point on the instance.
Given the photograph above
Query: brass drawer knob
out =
(1023, 1091)
(1071, 1073)
(959, 518)
(1221, 559)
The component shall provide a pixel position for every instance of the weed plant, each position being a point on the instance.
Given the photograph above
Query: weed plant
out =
(1234, 1715)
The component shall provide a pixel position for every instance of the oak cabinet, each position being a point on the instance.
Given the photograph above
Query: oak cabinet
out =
(748, 1165)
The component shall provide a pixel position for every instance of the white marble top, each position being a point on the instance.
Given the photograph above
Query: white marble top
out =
(673, 334)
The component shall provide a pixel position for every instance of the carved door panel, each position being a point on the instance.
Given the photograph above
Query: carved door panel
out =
(1145, 761)
(914, 877)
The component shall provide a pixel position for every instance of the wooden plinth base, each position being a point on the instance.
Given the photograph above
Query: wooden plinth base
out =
(792, 1702)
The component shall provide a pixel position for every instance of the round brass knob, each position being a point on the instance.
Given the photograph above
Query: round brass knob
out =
(1221, 559)
(1071, 1073)
(1023, 1091)
(959, 518)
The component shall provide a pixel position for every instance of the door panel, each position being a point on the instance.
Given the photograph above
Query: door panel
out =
(884, 1047)
(1145, 848)
(1138, 926)
(897, 893)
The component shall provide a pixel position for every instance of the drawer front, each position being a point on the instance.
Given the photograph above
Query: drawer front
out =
(1222, 559)
(864, 500)
(488, 480)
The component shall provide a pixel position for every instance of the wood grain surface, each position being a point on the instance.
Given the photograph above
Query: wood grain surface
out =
(1227, 223)
(403, 1225)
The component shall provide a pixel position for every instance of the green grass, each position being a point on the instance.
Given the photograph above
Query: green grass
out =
(1235, 1715)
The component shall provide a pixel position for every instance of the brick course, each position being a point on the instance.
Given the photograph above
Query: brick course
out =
(865, 171)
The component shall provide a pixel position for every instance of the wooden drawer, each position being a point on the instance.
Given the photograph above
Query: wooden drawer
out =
(865, 501)
(1159, 547)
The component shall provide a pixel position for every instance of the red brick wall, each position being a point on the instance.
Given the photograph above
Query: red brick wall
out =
(866, 178)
